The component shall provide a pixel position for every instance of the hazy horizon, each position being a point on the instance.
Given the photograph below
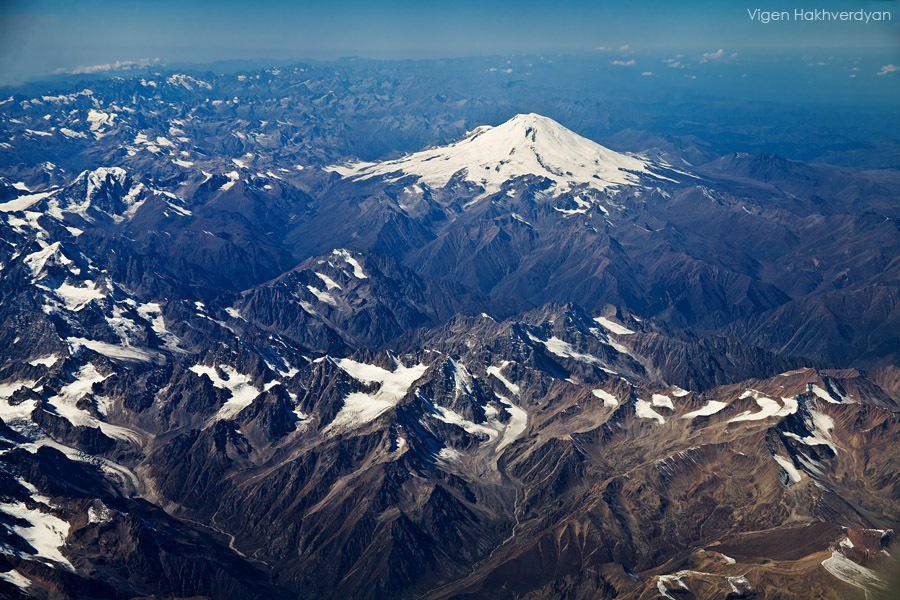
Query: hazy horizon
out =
(44, 37)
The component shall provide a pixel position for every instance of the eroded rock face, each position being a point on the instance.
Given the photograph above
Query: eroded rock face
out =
(224, 376)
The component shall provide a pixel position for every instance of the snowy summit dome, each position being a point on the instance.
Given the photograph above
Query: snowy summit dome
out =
(527, 144)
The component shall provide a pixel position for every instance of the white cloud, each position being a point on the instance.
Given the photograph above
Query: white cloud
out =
(717, 55)
(625, 48)
(708, 56)
(887, 69)
(623, 63)
(647, 73)
(116, 66)
(602, 48)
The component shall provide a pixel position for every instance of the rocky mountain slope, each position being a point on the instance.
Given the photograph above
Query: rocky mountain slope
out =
(241, 363)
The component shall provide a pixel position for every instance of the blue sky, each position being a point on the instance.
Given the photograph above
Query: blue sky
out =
(39, 36)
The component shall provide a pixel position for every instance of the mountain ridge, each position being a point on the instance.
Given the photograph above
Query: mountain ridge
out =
(230, 371)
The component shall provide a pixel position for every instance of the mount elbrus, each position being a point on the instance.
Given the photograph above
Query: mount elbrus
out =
(238, 364)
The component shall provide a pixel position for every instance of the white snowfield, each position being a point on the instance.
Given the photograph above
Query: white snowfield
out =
(711, 408)
(788, 467)
(820, 426)
(516, 426)
(832, 398)
(608, 399)
(768, 406)
(330, 283)
(348, 258)
(19, 412)
(65, 404)
(848, 571)
(51, 255)
(121, 352)
(527, 144)
(667, 583)
(44, 532)
(492, 428)
(643, 411)
(360, 407)
(242, 392)
(613, 327)
(77, 297)
(498, 373)
(565, 349)
(25, 202)
(322, 296)
(16, 578)
(662, 401)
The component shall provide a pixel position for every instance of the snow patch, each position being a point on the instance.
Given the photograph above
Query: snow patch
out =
(515, 427)
(123, 352)
(360, 407)
(643, 411)
(16, 579)
(76, 298)
(449, 455)
(608, 399)
(232, 177)
(322, 296)
(498, 373)
(44, 532)
(565, 349)
(613, 326)
(849, 572)
(788, 467)
(242, 393)
(348, 258)
(47, 361)
(769, 407)
(330, 284)
(662, 401)
(152, 312)
(830, 397)
(711, 408)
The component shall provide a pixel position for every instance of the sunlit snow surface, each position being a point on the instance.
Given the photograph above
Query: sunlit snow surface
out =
(498, 373)
(769, 408)
(613, 326)
(348, 258)
(527, 144)
(643, 411)
(360, 407)
(16, 578)
(565, 349)
(44, 532)
(242, 392)
(711, 408)
(608, 399)
(788, 467)
(848, 571)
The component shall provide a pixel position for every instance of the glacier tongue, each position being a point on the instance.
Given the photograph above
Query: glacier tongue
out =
(527, 144)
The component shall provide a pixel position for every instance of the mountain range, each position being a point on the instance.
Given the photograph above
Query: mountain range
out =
(240, 361)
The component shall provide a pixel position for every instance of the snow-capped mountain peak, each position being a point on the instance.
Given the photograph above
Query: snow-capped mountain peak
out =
(527, 144)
